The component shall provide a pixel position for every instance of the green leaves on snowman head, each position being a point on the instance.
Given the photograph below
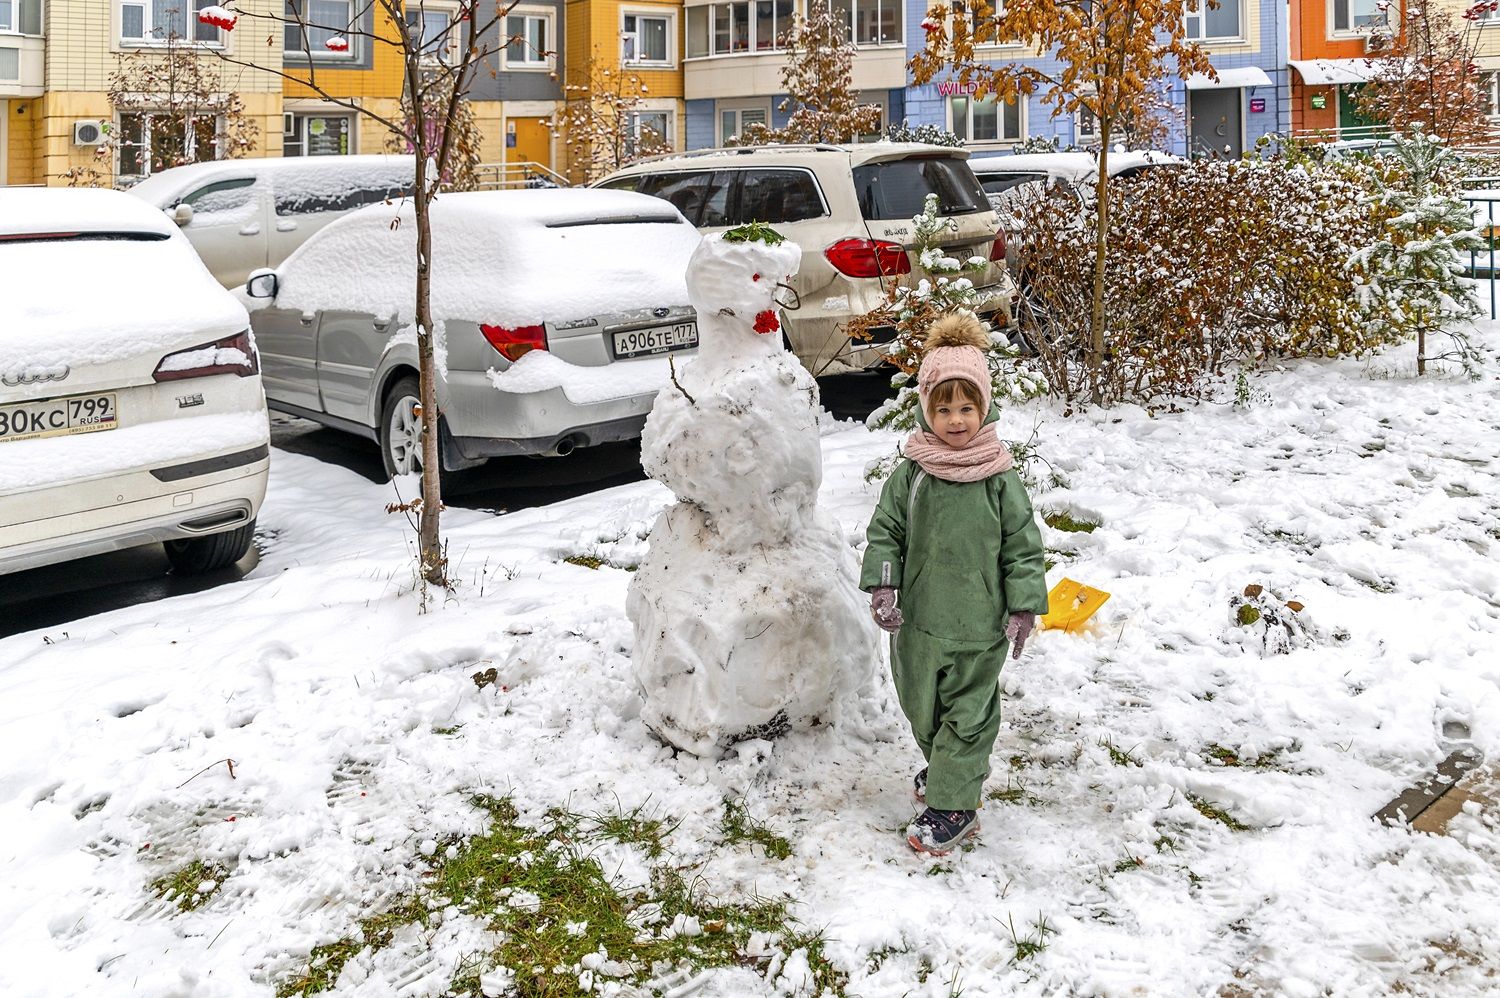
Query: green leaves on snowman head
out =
(754, 232)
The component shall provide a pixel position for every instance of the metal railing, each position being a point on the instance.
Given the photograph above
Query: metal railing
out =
(1483, 262)
(511, 176)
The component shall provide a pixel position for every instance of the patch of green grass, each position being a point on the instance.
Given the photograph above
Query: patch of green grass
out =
(1062, 520)
(1118, 756)
(186, 887)
(1034, 941)
(551, 905)
(1165, 843)
(739, 826)
(451, 730)
(1223, 755)
(1015, 792)
(876, 958)
(633, 827)
(326, 961)
(1214, 812)
(938, 869)
(589, 561)
(1129, 863)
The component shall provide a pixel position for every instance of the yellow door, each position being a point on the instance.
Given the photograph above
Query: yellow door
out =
(528, 140)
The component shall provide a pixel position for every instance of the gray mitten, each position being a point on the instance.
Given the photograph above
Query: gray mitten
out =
(1019, 629)
(883, 609)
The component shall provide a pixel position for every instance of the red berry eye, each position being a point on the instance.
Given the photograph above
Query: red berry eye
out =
(756, 277)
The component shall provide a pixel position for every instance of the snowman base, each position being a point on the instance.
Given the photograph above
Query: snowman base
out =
(744, 642)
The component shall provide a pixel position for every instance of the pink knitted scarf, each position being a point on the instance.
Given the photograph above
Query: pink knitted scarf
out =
(981, 457)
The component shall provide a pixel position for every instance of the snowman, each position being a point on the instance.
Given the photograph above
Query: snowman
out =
(747, 613)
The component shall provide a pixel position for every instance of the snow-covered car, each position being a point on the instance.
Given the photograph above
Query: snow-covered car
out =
(245, 214)
(999, 174)
(557, 311)
(131, 410)
(849, 209)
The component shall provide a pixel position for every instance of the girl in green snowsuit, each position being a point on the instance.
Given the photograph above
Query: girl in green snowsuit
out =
(955, 573)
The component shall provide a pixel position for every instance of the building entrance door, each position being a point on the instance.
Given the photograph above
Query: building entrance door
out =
(1215, 123)
(1352, 124)
(528, 140)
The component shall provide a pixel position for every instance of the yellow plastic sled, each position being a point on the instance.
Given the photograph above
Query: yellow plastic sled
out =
(1070, 604)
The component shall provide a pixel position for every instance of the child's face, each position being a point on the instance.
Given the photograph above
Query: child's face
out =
(955, 422)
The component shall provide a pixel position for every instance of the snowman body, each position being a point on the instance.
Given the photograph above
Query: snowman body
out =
(747, 613)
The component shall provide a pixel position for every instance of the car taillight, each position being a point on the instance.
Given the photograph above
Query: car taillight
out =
(997, 251)
(231, 355)
(515, 342)
(868, 258)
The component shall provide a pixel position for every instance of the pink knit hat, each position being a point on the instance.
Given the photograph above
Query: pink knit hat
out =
(955, 349)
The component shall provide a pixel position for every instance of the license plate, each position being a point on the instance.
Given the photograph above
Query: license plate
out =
(58, 417)
(658, 339)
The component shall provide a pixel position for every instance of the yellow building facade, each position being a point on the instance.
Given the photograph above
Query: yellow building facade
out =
(59, 126)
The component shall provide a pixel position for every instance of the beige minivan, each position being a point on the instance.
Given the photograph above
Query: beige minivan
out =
(245, 214)
(850, 209)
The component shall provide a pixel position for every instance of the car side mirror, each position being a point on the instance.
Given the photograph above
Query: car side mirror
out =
(262, 284)
(182, 214)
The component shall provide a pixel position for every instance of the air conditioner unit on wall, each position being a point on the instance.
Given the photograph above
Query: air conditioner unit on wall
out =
(89, 133)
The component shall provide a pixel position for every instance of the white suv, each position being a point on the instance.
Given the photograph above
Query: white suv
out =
(131, 409)
(850, 210)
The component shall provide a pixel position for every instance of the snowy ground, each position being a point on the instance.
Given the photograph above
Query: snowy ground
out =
(359, 736)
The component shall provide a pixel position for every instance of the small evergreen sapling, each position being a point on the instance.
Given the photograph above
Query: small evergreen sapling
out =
(946, 287)
(1414, 274)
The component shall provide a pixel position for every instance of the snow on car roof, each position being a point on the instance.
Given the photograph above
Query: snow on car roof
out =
(41, 210)
(1070, 165)
(97, 300)
(504, 257)
(162, 188)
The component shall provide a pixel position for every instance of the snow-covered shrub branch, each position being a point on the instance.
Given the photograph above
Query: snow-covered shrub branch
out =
(1213, 263)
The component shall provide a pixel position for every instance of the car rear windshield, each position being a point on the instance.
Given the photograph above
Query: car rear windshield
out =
(899, 188)
(10, 238)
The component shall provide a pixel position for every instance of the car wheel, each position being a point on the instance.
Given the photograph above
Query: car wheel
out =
(401, 429)
(196, 555)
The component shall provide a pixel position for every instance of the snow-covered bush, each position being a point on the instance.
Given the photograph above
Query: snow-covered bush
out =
(942, 286)
(1412, 276)
(930, 134)
(1211, 263)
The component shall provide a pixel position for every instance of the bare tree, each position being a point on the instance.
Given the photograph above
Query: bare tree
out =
(605, 122)
(436, 77)
(1426, 75)
(1112, 59)
(174, 109)
(818, 76)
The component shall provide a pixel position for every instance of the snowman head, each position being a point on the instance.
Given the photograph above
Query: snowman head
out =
(731, 281)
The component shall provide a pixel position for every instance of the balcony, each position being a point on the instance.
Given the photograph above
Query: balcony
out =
(22, 65)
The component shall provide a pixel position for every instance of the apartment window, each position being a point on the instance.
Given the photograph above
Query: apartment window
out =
(153, 141)
(1085, 127)
(320, 20)
(1207, 25)
(316, 134)
(1490, 84)
(650, 133)
(732, 121)
(530, 40)
(152, 21)
(436, 31)
(21, 16)
(10, 64)
(1359, 15)
(986, 119)
(646, 39)
(773, 19)
(877, 22)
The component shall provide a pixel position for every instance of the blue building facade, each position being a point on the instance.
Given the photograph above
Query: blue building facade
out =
(1247, 43)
